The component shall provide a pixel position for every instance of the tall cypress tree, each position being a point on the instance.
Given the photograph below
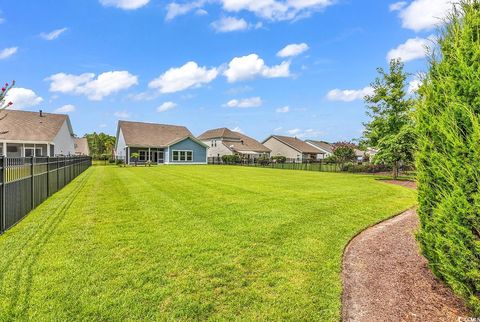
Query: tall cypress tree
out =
(448, 163)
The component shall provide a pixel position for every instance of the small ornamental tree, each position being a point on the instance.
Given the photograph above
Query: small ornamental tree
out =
(135, 156)
(5, 89)
(391, 130)
(448, 162)
(344, 153)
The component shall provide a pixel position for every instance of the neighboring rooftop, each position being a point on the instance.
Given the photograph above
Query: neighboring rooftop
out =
(219, 133)
(246, 143)
(296, 144)
(139, 134)
(31, 126)
(81, 146)
(327, 147)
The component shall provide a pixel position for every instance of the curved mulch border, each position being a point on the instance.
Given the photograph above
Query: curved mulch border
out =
(386, 279)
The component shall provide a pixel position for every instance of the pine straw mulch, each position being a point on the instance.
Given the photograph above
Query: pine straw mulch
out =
(387, 279)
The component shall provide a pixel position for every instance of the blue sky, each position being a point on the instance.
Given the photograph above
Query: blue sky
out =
(292, 67)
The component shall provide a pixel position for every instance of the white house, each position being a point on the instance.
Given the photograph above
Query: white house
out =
(227, 142)
(27, 134)
(324, 147)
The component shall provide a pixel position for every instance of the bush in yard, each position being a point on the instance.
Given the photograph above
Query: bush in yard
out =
(448, 162)
(231, 159)
(263, 160)
(135, 156)
(279, 159)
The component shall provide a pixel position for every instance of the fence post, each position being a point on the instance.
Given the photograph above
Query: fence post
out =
(32, 172)
(48, 176)
(2, 209)
(58, 174)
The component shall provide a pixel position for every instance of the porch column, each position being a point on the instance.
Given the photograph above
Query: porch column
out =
(23, 151)
(149, 155)
(5, 149)
(127, 156)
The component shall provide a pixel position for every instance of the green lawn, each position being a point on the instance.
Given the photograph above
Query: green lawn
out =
(190, 243)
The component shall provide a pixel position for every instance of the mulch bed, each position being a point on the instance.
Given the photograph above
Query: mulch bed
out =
(387, 279)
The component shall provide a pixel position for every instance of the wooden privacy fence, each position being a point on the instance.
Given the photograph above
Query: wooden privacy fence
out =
(26, 182)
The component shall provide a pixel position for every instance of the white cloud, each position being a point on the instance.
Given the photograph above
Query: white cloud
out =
(95, 89)
(294, 131)
(102, 126)
(179, 9)
(125, 4)
(397, 6)
(245, 103)
(22, 98)
(66, 109)
(308, 133)
(284, 109)
(349, 95)
(293, 50)
(278, 129)
(414, 84)
(179, 79)
(412, 49)
(277, 10)
(251, 66)
(237, 129)
(166, 106)
(424, 14)
(53, 34)
(7, 52)
(122, 114)
(229, 24)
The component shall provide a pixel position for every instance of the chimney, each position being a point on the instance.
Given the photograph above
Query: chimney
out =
(41, 113)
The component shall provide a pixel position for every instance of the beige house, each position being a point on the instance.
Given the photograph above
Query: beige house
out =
(81, 147)
(324, 147)
(28, 134)
(227, 142)
(292, 148)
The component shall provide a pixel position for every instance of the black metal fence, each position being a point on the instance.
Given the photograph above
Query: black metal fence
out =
(308, 165)
(26, 182)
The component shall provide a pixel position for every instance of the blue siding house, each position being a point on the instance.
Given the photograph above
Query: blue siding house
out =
(158, 144)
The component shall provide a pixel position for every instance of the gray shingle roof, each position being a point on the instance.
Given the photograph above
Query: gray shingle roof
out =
(141, 134)
(29, 126)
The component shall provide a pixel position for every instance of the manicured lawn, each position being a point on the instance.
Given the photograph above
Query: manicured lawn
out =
(190, 243)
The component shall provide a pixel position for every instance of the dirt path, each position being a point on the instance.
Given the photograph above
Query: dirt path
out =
(386, 279)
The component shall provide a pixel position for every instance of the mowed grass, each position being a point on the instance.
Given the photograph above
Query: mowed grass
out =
(190, 243)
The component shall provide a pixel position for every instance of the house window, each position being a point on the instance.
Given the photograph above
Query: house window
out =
(183, 156)
(12, 149)
(29, 152)
(38, 152)
(142, 155)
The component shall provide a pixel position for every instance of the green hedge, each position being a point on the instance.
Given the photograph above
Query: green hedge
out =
(448, 162)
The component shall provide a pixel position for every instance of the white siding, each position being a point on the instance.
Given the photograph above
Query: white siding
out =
(215, 151)
(281, 149)
(64, 141)
(121, 145)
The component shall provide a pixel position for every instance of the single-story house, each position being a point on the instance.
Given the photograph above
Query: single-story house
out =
(27, 134)
(227, 142)
(324, 147)
(81, 146)
(158, 144)
(292, 148)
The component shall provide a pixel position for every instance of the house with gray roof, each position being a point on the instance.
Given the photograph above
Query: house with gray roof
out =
(158, 144)
(224, 141)
(292, 148)
(35, 134)
(324, 147)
